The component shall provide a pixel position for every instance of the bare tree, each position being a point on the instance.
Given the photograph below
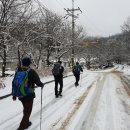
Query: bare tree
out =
(5, 18)
(126, 26)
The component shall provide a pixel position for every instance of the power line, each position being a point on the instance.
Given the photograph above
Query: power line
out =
(60, 4)
(93, 25)
(41, 5)
(63, 3)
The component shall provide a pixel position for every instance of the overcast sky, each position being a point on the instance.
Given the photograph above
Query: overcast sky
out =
(99, 17)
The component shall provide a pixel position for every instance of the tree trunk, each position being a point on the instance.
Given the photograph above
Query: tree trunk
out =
(48, 56)
(39, 58)
(4, 62)
(88, 65)
(19, 59)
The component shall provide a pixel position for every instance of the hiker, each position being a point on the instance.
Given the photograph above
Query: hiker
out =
(28, 93)
(57, 72)
(76, 71)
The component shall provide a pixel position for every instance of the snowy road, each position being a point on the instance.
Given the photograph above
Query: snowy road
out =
(101, 102)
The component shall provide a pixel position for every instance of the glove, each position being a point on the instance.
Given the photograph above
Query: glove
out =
(14, 98)
(43, 85)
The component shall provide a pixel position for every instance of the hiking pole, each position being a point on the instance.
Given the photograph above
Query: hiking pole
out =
(41, 109)
(81, 80)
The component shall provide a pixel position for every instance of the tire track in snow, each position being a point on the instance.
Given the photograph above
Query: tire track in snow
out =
(110, 121)
(126, 83)
(124, 96)
(87, 124)
(57, 107)
(110, 113)
(76, 105)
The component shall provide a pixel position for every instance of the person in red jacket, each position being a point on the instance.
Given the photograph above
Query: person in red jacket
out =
(27, 101)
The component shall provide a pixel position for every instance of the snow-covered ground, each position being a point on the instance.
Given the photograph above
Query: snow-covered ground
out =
(100, 102)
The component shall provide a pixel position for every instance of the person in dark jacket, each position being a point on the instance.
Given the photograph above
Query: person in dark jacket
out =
(76, 71)
(27, 101)
(58, 78)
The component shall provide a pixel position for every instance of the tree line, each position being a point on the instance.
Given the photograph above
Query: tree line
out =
(107, 50)
(28, 28)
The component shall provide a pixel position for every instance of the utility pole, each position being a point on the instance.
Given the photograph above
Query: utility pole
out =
(71, 12)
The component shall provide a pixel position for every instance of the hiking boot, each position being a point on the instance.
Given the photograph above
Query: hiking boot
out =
(76, 84)
(29, 124)
(57, 96)
(60, 94)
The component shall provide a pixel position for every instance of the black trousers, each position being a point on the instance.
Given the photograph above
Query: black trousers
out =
(27, 109)
(60, 81)
(77, 78)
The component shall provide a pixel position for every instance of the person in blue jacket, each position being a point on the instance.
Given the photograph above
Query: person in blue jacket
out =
(76, 71)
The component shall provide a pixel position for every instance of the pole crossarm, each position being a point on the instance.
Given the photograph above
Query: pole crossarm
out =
(71, 13)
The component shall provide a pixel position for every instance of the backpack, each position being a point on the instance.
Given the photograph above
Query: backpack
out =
(20, 85)
(56, 69)
(76, 70)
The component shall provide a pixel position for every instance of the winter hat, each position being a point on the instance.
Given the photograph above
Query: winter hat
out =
(60, 62)
(77, 63)
(26, 61)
